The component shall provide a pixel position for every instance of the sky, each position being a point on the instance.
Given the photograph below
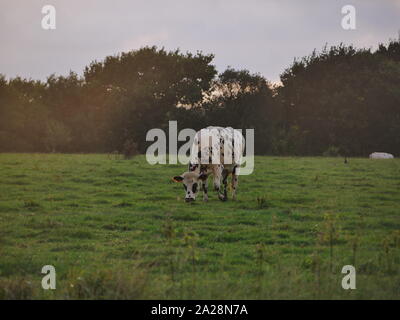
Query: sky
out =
(259, 35)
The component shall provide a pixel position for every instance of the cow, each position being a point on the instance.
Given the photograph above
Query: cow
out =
(215, 151)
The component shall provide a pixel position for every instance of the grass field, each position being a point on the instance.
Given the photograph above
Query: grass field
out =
(117, 228)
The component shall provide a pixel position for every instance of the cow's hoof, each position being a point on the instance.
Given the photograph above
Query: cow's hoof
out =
(222, 197)
(205, 199)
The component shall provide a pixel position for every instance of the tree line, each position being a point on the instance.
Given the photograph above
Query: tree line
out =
(339, 101)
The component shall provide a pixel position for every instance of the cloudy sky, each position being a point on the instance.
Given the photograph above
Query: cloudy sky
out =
(262, 36)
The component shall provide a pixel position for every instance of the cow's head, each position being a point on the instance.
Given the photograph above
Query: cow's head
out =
(191, 182)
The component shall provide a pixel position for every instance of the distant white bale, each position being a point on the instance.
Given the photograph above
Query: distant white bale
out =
(380, 155)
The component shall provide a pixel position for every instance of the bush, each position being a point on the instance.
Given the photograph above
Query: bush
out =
(332, 151)
(58, 136)
(129, 149)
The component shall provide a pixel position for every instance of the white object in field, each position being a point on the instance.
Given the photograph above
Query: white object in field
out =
(381, 155)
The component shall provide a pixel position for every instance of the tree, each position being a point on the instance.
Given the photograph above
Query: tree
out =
(343, 97)
(243, 100)
(146, 85)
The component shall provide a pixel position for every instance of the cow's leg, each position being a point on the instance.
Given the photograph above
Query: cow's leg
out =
(234, 182)
(204, 169)
(224, 196)
(204, 185)
(217, 174)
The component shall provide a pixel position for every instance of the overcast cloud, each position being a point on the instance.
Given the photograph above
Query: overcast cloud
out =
(262, 36)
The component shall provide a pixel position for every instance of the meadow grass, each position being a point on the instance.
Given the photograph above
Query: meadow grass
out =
(119, 229)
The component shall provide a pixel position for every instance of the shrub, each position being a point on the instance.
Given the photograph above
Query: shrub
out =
(129, 149)
(58, 136)
(332, 151)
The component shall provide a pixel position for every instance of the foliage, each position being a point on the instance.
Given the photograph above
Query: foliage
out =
(345, 97)
(332, 151)
(58, 136)
(129, 149)
(342, 96)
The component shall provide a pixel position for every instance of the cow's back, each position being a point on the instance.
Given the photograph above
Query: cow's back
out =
(211, 142)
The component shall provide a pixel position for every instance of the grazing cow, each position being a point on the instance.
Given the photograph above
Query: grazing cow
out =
(215, 151)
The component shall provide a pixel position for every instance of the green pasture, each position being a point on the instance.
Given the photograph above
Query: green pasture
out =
(119, 229)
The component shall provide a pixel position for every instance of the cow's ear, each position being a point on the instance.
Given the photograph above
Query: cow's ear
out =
(203, 176)
(178, 178)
